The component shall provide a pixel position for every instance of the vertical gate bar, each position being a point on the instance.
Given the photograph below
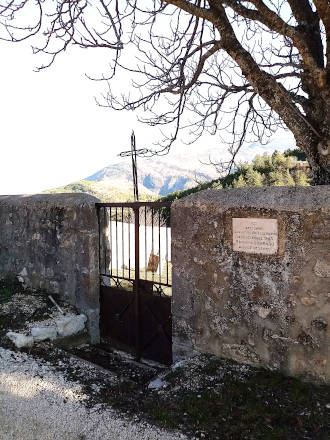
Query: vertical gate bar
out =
(122, 240)
(166, 254)
(117, 273)
(111, 253)
(99, 225)
(160, 274)
(152, 240)
(145, 244)
(105, 248)
(136, 283)
(129, 243)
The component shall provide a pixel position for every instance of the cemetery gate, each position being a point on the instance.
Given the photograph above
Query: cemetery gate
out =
(136, 279)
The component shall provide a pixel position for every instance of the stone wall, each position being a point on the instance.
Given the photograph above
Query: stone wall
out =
(51, 241)
(266, 302)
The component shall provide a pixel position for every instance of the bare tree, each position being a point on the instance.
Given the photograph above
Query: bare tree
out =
(238, 67)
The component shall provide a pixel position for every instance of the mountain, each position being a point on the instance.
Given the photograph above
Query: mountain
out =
(155, 175)
(181, 170)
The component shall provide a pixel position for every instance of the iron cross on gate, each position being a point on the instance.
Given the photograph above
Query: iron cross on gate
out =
(134, 153)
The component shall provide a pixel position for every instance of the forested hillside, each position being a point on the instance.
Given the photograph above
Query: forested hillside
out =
(279, 169)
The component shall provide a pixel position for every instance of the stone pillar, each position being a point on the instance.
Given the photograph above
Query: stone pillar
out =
(51, 241)
(251, 277)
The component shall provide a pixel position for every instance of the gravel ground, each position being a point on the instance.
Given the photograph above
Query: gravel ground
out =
(42, 400)
(38, 403)
(50, 392)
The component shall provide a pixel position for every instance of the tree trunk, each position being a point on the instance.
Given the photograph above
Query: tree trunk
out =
(321, 175)
(318, 156)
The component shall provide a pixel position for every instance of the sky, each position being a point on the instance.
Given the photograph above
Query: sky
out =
(53, 133)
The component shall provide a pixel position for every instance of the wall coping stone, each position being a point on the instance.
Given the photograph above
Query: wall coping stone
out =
(60, 200)
(285, 198)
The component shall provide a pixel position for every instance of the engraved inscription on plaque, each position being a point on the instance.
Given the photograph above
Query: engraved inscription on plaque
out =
(255, 235)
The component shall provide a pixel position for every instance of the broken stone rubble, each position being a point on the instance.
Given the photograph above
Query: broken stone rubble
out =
(20, 340)
(65, 326)
(70, 325)
(43, 333)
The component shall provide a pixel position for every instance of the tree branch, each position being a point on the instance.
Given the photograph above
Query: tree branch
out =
(192, 9)
(267, 87)
(323, 9)
(309, 49)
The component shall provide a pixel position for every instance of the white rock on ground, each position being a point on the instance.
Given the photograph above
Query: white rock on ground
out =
(43, 333)
(20, 340)
(70, 325)
(39, 403)
(156, 384)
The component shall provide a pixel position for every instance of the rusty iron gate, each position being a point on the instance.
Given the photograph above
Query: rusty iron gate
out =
(136, 279)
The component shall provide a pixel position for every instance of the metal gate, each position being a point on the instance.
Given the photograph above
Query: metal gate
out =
(136, 279)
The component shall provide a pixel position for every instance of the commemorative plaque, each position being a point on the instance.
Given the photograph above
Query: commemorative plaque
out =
(255, 235)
